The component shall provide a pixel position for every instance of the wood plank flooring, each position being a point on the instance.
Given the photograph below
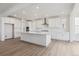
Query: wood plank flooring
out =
(15, 47)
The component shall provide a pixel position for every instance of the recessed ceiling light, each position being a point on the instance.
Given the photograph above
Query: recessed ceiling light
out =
(62, 12)
(37, 7)
(46, 15)
(35, 14)
(23, 12)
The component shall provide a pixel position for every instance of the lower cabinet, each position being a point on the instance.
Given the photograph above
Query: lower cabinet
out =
(60, 35)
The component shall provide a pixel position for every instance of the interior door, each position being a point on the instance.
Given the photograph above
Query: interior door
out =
(9, 30)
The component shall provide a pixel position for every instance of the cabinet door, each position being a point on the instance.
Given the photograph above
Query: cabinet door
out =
(37, 25)
(55, 23)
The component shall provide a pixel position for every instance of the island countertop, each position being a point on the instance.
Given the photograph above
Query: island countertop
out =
(37, 33)
(40, 38)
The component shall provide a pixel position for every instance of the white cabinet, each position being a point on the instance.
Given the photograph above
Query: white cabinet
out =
(59, 23)
(36, 38)
(60, 35)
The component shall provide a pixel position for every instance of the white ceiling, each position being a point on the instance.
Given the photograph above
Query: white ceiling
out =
(5, 7)
(76, 10)
(37, 10)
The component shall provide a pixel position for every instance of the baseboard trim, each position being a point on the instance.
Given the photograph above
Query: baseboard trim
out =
(10, 38)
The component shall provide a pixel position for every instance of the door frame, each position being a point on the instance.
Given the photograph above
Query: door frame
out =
(12, 30)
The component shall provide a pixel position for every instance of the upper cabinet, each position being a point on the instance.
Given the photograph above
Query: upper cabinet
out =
(57, 23)
(37, 24)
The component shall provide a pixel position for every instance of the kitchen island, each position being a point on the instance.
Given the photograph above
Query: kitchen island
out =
(39, 38)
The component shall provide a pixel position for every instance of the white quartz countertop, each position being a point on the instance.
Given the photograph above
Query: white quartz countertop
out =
(36, 32)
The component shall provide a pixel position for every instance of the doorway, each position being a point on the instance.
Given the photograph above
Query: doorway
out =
(9, 31)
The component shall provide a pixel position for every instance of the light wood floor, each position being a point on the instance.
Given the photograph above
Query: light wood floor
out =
(15, 47)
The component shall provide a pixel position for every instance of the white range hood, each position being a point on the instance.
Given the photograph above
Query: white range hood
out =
(45, 27)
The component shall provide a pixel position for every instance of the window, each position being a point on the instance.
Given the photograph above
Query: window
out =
(77, 25)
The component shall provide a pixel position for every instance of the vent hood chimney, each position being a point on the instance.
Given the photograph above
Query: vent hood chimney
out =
(45, 22)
